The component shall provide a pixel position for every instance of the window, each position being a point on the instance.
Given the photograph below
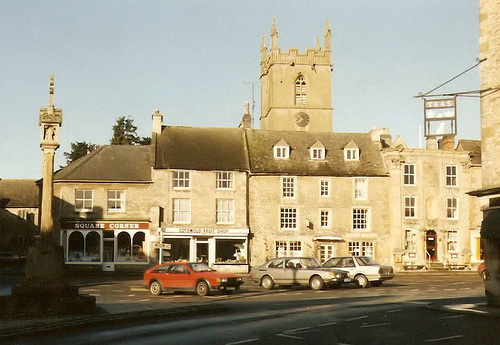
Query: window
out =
(324, 218)
(324, 188)
(181, 209)
(181, 179)
(84, 246)
(317, 153)
(230, 251)
(300, 91)
(351, 154)
(360, 189)
(452, 240)
(410, 240)
(224, 180)
(451, 175)
(84, 200)
(327, 251)
(288, 248)
(409, 174)
(116, 200)
(130, 247)
(281, 152)
(410, 211)
(225, 211)
(360, 219)
(288, 218)
(451, 208)
(361, 248)
(288, 185)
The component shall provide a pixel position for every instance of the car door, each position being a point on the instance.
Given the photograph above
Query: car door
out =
(178, 277)
(276, 271)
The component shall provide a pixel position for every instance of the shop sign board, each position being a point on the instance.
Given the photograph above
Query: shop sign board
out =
(440, 116)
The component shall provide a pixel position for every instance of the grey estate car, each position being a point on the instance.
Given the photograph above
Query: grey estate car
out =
(297, 271)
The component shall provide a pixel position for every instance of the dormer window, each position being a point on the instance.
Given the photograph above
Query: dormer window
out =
(317, 151)
(281, 150)
(351, 152)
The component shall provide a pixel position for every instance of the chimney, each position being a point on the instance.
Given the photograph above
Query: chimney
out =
(246, 122)
(157, 122)
(431, 143)
(447, 143)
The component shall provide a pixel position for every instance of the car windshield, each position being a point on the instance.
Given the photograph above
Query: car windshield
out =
(310, 263)
(201, 267)
(366, 261)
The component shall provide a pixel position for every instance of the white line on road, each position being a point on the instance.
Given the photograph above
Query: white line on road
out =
(450, 317)
(357, 318)
(327, 324)
(393, 311)
(288, 336)
(445, 338)
(297, 330)
(376, 325)
(244, 341)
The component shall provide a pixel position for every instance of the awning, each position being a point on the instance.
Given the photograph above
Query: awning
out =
(328, 238)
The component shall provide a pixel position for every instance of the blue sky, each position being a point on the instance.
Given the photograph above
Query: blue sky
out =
(195, 61)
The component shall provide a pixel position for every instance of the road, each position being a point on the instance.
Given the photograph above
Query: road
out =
(392, 314)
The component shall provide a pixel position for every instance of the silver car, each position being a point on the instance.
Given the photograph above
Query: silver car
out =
(363, 270)
(297, 271)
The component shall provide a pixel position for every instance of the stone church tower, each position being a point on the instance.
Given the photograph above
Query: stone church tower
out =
(296, 87)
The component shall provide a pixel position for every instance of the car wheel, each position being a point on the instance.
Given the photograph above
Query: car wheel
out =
(267, 283)
(202, 288)
(361, 281)
(155, 288)
(316, 283)
(376, 283)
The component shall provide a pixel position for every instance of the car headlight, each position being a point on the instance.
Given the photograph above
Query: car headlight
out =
(223, 280)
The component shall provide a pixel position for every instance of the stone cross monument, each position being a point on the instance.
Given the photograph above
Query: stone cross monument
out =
(50, 121)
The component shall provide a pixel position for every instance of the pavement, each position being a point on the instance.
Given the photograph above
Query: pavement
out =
(15, 327)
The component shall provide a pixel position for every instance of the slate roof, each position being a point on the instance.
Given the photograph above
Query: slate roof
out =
(473, 146)
(262, 161)
(201, 148)
(19, 193)
(121, 163)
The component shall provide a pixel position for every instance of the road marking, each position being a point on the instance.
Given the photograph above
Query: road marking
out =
(328, 324)
(288, 336)
(445, 338)
(376, 325)
(393, 311)
(450, 317)
(297, 330)
(244, 341)
(134, 289)
(357, 318)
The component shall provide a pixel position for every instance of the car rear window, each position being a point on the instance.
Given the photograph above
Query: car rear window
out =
(366, 261)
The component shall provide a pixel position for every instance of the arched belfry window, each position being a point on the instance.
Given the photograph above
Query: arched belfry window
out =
(300, 91)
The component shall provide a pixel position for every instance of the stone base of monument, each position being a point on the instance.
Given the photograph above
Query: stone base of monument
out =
(45, 290)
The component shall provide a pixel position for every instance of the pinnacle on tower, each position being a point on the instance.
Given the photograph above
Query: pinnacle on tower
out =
(328, 36)
(274, 35)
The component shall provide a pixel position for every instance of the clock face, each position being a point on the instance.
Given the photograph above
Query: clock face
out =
(302, 119)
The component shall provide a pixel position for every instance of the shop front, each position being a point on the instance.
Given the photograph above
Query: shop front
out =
(225, 250)
(106, 245)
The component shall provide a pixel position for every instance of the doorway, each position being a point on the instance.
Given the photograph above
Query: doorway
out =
(202, 250)
(431, 245)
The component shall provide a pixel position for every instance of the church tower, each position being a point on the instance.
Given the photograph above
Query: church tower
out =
(296, 87)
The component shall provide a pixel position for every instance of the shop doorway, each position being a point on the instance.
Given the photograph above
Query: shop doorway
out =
(108, 255)
(431, 245)
(202, 250)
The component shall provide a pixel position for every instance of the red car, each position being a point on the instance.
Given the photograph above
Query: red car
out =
(189, 276)
(483, 272)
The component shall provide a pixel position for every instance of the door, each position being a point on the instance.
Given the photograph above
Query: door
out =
(202, 250)
(431, 245)
(178, 276)
(108, 251)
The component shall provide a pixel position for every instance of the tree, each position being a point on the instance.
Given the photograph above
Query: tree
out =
(79, 149)
(124, 132)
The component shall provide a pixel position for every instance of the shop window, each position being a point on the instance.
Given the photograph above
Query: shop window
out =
(228, 251)
(410, 240)
(361, 248)
(124, 247)
(75, 247)
(179, 250)
(138, 241)
(452, 241)
(93, 247)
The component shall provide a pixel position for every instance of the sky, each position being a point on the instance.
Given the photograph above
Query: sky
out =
(196, 61)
